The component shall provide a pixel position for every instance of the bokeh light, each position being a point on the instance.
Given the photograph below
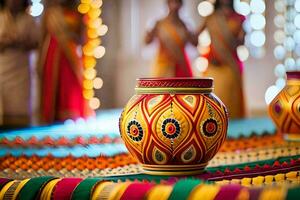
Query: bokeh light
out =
(279, 21)
(258, 38)
(98, 83)
(205, 8)
(242, 8)
(279, 5)
(96, 3)
(90, 73)
(243, 52)
(88, 94)
(83, 8)
(271, 93)
(257, 21)
(279, 36)
(94, 103)
(257, 6)
(204, 39)
(36, 9)
(88, 84)
(297, 21)
(297, 5)
(290, 63)
(289, 44)
(280, 83)
(102, 30)
(99, 52)
(296, 36)
(280, 70)
(201, 64)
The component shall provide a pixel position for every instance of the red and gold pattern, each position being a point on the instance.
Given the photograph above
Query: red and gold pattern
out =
(285, 108)
(174, 130)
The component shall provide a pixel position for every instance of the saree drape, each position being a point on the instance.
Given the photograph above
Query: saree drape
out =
(224, 65)
(61, 62)
(171, 60)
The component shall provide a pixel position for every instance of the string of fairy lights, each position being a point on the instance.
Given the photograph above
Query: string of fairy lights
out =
(287, 39)
(92, 49)
(254, 26)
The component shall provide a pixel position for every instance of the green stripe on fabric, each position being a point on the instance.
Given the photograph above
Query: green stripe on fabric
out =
(32, 188)
(158, 179)
(84, 189)
(293, 193)
(183, 188)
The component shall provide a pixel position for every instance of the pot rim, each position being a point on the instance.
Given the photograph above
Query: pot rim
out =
(175, 78)
(177, 82)
(174, 85)
(293, 74)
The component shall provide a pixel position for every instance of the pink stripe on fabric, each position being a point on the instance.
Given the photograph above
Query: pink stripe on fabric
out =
(228, 192)
(64, 188)
(136, 191)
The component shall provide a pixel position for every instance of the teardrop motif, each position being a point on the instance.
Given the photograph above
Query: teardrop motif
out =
(158, 156)
(189, 154)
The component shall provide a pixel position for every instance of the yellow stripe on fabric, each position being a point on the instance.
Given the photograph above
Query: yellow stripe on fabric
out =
(258, 181)
(104, 194)
(18, 189)
(5, 188)
(117, 192)
(160, 192)
(99, 188)
(269, 179)
(292, 176)
(246, 182)
(274, 193)
(207, 192)
(48, 189)
(279, 177)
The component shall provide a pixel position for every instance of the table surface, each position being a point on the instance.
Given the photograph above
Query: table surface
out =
(253, 158)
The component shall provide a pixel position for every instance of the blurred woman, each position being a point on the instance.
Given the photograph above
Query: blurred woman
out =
(18, 35)
(226, 32)
(172, 35)
(61, 63)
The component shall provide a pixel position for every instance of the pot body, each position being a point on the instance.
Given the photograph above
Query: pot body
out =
(285, 108)
(174, 126)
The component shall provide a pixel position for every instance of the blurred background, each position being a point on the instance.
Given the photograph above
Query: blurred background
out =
(114, 37)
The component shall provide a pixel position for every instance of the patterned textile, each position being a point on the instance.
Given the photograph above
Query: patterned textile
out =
(254, 163)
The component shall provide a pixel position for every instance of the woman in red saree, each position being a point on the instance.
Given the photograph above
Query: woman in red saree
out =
(61, 62)
(172, 35)
(226, 32)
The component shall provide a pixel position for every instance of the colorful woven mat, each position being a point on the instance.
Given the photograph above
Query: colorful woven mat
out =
(186, 188)
(253, 163)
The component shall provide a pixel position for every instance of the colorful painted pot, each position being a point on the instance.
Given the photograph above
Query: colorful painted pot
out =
(174, 126)
(285, 108)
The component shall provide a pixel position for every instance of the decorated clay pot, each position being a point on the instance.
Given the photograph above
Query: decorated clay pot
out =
(285, 108)
(174, 126)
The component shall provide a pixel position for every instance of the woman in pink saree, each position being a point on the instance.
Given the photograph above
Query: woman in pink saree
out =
(226, 32)
(61, 62)
(173, 35)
